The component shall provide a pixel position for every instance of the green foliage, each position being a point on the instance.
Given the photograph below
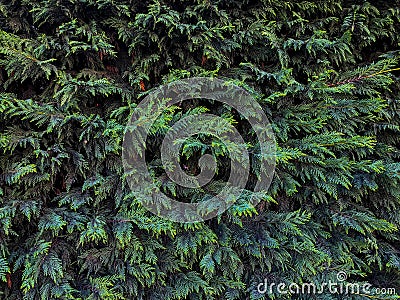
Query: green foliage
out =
(71, 72)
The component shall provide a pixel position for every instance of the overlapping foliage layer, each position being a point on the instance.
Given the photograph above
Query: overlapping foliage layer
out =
(72, 71)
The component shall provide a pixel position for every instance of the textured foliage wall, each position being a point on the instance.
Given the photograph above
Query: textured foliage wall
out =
(72, 71)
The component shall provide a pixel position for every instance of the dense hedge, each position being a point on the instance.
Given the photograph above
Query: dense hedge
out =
(72, 71)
